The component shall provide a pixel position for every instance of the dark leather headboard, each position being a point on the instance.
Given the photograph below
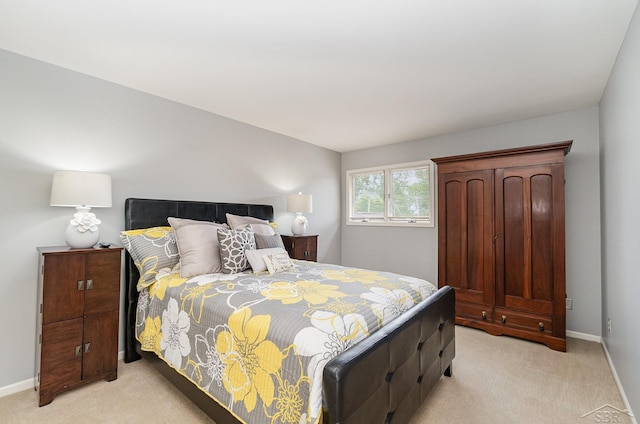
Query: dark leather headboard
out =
(145, 213)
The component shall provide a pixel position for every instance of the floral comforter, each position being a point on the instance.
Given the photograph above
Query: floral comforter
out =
(258, 343)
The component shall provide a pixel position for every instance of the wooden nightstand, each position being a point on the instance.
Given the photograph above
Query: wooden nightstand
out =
(303, 247)
(77, 323)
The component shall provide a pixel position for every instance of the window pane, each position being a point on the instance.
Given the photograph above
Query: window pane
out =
(368, 195)
(397, 195)
(410, 193)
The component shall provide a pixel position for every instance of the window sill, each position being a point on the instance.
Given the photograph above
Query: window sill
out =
(422, 224)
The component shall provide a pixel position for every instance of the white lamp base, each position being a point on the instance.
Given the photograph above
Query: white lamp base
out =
(78, 240)
(299, 225)
(82, 231)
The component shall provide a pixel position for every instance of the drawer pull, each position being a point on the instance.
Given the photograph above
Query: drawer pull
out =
(541, 326)
(78, 350)
(89, 284)
(504, 319)
(80, 285)
(484, 315)
(87, 347)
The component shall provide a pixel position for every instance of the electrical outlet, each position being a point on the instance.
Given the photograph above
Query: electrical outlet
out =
(609, 324)
(569, 303)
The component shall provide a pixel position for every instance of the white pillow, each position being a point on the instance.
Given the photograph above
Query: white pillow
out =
(278, 262)
(255, 257)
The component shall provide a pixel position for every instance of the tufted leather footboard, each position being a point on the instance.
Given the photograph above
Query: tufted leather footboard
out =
(385, 378)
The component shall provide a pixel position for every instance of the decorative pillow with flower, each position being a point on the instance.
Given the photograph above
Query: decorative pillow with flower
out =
(233, 244)
(152, 249)
(277, 262)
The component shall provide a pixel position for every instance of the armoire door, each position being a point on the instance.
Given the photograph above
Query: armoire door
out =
(465, 239)
(530, 244)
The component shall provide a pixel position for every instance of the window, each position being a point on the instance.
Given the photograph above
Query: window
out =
(391, 195)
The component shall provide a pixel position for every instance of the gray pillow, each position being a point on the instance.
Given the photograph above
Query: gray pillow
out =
(198, 246)
(233, 244)
(266, 242)
(259, 226)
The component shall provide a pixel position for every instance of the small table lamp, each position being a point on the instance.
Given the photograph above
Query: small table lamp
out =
(299, 203)
(82, 190)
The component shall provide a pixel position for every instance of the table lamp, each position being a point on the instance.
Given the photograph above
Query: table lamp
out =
(82, 190)
(299, 203)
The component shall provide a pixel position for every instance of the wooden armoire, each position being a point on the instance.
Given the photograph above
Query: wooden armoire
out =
(501, 240)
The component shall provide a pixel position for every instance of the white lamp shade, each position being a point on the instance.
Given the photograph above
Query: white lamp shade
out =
(299, 203)
(76, 188)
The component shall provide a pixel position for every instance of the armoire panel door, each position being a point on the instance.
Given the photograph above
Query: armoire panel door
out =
(526, 221)
(465, 235)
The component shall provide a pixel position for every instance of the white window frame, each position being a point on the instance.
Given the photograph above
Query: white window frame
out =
(387, 220)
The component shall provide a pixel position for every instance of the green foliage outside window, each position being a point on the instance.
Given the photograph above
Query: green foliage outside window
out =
(410, 193)
(369, 194)
(391, 195)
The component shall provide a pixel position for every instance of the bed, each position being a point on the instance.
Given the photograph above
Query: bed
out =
(383, 378)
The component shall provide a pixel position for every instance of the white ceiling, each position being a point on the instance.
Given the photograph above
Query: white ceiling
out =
(343, 74)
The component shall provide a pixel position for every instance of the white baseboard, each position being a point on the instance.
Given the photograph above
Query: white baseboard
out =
(31, 382)
(584, 336)
(20, 386)
(619, 384)
(592, 338)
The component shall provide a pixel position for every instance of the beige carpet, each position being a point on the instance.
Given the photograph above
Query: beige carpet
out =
(495, 380)
(506, 380)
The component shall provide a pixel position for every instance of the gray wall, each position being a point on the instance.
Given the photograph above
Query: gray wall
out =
(52, 119)
(620, 174)
(414, 251)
